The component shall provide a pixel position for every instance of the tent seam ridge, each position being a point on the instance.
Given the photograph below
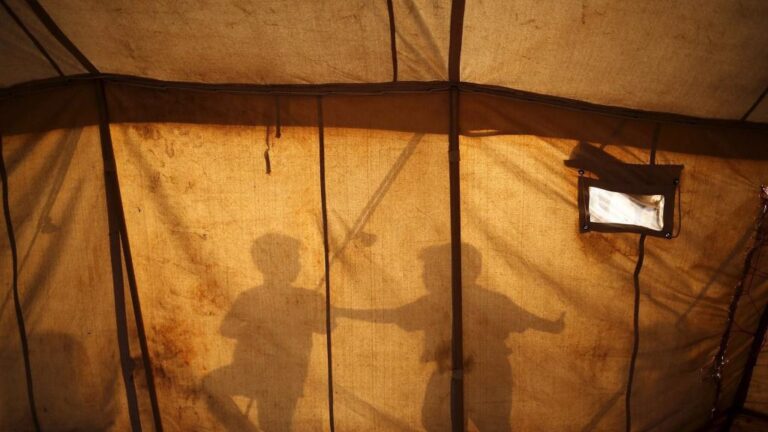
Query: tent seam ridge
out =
(381, 88)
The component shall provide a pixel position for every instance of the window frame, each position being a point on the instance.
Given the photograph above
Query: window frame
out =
(668, 190)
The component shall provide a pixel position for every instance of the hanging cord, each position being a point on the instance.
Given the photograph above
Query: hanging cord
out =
(267, 161)
(278, 134)
(636, 332)
(679, 201)
(636, 308)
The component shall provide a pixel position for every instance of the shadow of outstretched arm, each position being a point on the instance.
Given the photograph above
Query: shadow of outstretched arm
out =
(409, 317)
(370, 315)
(545, 325)
(524, 320)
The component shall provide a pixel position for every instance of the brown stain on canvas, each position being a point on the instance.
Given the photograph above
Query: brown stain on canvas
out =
(175, 352)
(173, 343)
(603, 247)
(211, 298)
(146, 132)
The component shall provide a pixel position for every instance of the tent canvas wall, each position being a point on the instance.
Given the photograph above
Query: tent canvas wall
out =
(351, 215)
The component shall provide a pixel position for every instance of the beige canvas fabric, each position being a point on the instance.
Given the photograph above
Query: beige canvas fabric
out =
(390, 290)
(296, 42)
(252, 285)
(230, 262)
(422, 30)
(292, 245)
(708, 60)
(65, 280)
(535, 322)
(676, 315)
(704, 61)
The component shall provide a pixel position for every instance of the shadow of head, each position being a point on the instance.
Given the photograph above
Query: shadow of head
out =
(437, 262)
(277, 257)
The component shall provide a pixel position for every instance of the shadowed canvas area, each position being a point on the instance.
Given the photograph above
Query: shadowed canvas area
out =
(273, 342)
(488, 388)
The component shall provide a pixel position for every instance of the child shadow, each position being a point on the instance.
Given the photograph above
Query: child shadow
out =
(488, 319)
(273, 325)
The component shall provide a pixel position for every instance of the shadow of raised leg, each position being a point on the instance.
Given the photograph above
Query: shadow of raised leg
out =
(221, 386)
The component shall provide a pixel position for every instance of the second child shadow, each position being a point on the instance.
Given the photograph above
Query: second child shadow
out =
(488, 375)
(273, 325)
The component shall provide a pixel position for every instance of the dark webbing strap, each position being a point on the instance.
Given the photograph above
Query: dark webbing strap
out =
(112, 193)
(32, 37)
(15, 289)
(454, 48)
(392, 38)
(52, 27)
(133, 288)
(139, 319)
(754, 105)
(454, 174)
(457, 336)
(323, 202)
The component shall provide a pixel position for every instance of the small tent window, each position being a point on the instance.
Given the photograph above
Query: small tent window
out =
(618, 208)
(626, 206)
(616, 197)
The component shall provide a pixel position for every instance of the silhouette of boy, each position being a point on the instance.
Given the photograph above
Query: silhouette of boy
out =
(487, 373)
(273, 325)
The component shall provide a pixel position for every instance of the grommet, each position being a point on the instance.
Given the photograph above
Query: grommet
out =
(668, 235)
(585, 227)
(581, 172)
